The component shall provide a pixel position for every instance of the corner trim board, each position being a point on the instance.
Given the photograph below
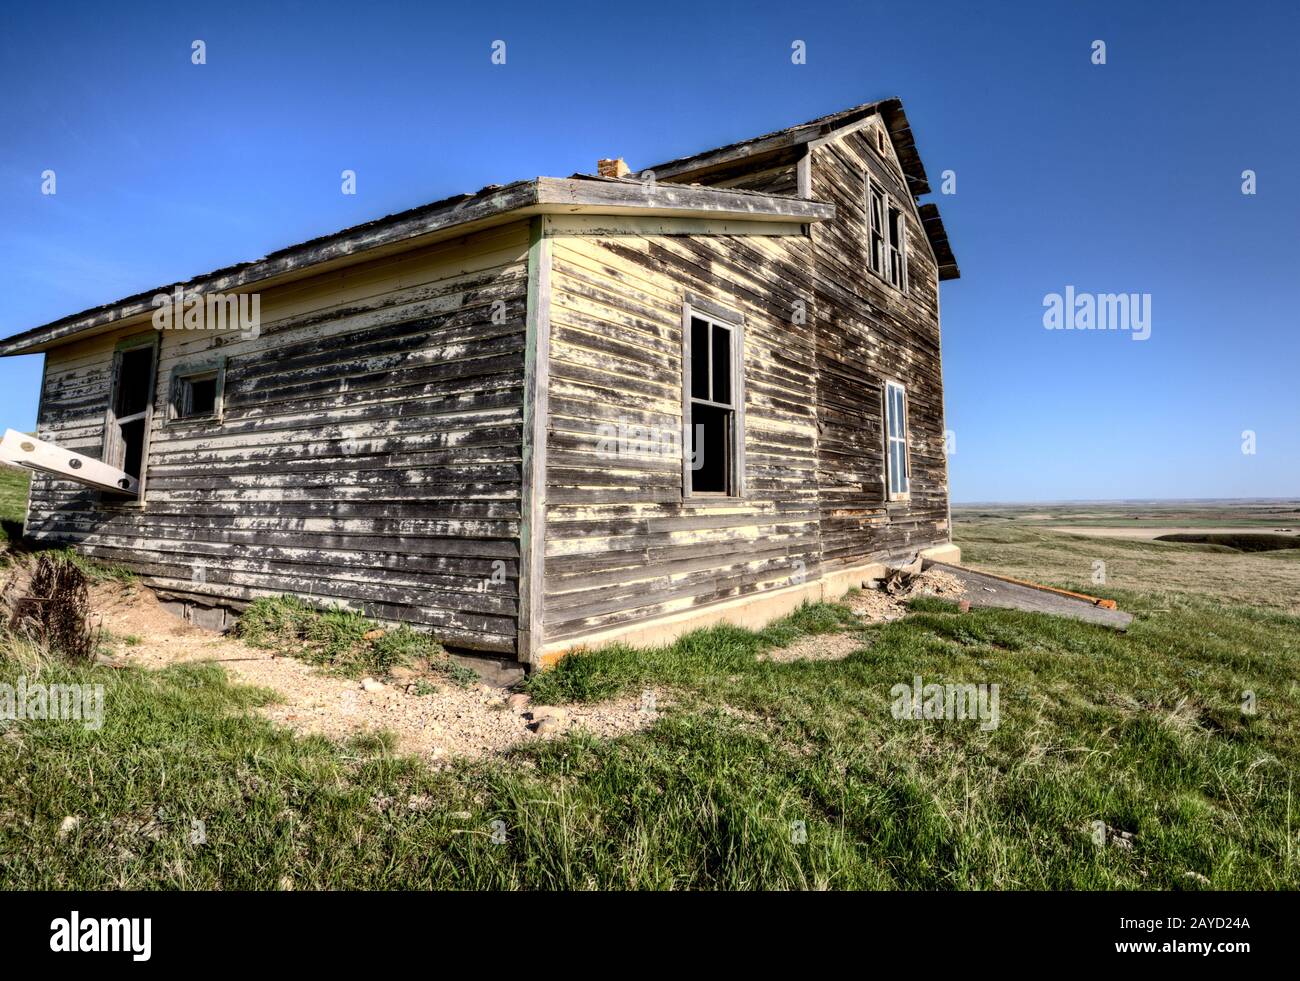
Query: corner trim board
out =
(532, 525)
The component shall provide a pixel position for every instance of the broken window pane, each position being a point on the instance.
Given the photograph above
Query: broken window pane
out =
(133, 447)
(202, 397)
(134, 381)
(131, 397)
(699, 358)
(876, 226)
(710, 447)
(721, 364)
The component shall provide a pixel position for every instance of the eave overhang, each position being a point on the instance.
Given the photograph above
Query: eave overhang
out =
(431, 223)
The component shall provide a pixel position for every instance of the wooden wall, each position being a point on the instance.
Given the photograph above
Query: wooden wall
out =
(621, 543)
(369, 453)
(868, 331)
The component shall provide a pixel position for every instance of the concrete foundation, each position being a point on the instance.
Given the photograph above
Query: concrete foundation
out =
(753, 611)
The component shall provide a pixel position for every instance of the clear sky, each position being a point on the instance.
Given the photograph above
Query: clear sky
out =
(1117, 178)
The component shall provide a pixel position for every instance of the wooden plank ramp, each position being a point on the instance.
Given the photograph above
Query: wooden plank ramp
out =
(987, 590)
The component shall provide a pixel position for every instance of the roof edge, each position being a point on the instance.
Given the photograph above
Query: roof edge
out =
(772, 145)
(428, 223)
(890, 110)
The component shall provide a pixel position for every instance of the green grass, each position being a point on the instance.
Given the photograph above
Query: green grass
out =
(14, 484)
(13, 502)
(1143, 732)
(342, 641)
(94, 569)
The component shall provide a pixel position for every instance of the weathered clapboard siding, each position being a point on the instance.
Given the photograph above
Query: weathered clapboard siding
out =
(369, 453)
(621, 543)
(865, 331)
(868, 332)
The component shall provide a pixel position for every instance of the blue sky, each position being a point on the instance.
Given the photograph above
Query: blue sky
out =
(1123, 177)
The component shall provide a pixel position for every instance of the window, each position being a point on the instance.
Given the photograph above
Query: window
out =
(897, 255)
(197, 391)
(876, 208)
(713, 406)
(126, 427)
(897, 470)
(200, 396)
(887, 231)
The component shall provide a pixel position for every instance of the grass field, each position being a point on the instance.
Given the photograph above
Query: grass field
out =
(1119, 761)
(13, 502)
(1153, 574)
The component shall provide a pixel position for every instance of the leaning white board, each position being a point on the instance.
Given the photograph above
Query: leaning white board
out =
(22, 450)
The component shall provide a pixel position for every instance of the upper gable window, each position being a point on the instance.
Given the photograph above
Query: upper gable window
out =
(887, 234)
(876, 210)
(897, 249)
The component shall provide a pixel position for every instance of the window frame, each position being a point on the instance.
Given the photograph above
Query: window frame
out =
(899, 249)
(182, 374)
(889, 439)
(875, 192)
(882, 268)
(112, 446)
(698, 308)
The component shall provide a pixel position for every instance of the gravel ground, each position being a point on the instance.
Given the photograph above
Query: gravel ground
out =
(450, 722)
(935, 582)
(878, 606)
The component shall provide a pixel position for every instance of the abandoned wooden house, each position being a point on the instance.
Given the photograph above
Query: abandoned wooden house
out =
(554, 413)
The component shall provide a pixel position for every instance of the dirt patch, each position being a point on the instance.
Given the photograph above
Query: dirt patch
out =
(822, 647)
(890, 601)
(875, 606)
(435, 719)
(128, 610)
(449, 722)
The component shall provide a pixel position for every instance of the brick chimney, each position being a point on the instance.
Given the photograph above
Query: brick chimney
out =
(613, 168)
